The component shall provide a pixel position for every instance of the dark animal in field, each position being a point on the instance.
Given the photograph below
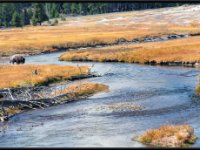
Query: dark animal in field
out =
(18, 59)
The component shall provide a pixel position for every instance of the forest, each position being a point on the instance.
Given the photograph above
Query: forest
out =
(20, 14)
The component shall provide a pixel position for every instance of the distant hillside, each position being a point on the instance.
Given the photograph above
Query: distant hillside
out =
(20, 14)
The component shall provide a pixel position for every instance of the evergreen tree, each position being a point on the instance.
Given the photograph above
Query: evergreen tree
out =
(73, 8)
(66, 8)
(16, 19)
(39, 14)
(25, 17)
(30, 13)
(55, 13)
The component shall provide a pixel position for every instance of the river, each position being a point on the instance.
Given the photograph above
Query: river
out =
(166, 93)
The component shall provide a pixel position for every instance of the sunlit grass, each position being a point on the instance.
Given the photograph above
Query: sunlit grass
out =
(180, 50)
(92, 30)
(169, 136)
(81, 89)
(12, 76)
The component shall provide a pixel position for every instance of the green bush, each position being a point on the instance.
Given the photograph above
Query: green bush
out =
(55, 22)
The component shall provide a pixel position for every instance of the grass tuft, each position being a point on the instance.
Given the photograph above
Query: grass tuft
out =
(169, 136)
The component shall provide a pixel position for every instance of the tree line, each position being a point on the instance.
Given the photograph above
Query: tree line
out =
(20, 14)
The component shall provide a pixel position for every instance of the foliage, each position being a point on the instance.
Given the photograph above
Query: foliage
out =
(16, 20)
(38, 12)
(55, 22)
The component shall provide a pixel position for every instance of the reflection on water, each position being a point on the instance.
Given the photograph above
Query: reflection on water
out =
(166, 93)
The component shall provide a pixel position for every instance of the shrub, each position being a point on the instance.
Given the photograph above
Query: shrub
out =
(55, 22)
(169, 136)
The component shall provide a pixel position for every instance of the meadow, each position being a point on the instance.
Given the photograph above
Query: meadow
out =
(83, 31)
(181, 50)
(12, 76)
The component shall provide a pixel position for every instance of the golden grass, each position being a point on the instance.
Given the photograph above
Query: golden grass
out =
(12, 76)
(82, 89)
(169, 136)
(183, 50)
(197, 90)
(32, 40)
(92, 30)
(12, 110)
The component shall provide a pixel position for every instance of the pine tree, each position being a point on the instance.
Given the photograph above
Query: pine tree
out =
(16, 19)
(30, 12)
(66, 8)
(39, 14)
(73, 8)
(25, 17)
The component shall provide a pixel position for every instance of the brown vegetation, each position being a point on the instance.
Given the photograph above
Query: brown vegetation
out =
(197, 90)
(12, 76)
(180, 50)
(97, 29)
(80, 89)
(169, 136)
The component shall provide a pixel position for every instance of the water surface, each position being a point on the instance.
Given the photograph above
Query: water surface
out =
(166, 93)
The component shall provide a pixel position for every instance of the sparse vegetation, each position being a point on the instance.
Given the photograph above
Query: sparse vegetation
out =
(82, 89)
(121, 107)
(55, 22)
(12, 76)
(71, 93)
(169, 136)
(197, 90)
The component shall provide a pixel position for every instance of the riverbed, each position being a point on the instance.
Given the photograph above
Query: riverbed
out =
(166, 93)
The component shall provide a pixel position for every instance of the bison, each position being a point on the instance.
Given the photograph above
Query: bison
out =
(18, 59)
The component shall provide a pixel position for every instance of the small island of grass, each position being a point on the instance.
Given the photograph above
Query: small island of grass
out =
(169, 136)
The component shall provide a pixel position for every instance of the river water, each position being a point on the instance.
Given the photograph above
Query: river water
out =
(166, 93)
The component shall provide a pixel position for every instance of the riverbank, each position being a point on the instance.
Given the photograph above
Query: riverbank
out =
(73, 92)
(12, 76)
(169, 136)
(179, 52)
(165, 94)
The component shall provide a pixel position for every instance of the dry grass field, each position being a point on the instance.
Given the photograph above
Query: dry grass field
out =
(12, 76)
(100, 29)
(180, 50)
